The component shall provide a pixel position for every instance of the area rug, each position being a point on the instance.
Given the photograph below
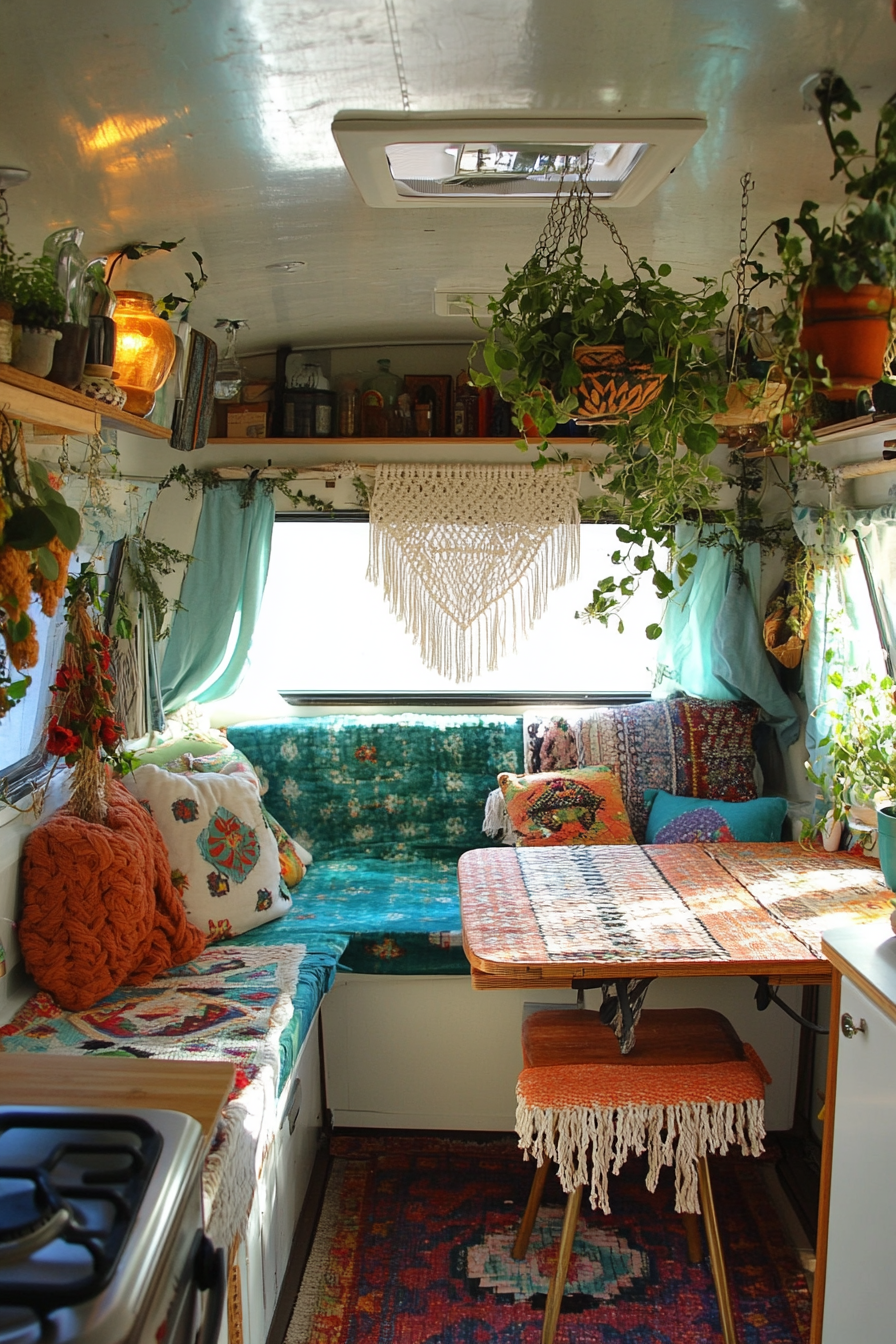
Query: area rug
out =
(413, 1247)
(230, 1003)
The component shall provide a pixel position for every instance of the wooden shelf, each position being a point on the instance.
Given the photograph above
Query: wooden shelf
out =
(858, 428)
(24, 397)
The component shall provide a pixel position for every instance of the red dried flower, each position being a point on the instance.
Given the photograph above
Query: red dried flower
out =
(61, 741)
(108, 731)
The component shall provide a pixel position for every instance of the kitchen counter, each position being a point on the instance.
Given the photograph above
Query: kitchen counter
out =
(197, 1088)
(866, 954)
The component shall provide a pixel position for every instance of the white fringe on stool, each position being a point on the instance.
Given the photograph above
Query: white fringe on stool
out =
(565, 1137)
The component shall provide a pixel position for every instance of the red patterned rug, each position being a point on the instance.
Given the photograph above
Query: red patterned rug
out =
(414, 1240)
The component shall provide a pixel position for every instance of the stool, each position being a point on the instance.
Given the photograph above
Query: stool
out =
(689, 1087)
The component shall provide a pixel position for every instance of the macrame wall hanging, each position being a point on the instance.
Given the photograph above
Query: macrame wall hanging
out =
(467, 554)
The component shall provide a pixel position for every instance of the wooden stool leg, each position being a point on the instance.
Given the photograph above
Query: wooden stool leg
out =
(695, 1241)
(716, 1258)
(521, 1245)
(558, 1282)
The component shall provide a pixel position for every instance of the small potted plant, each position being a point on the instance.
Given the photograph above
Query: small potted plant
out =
(859, 775)
(39, 307)
(847, 284)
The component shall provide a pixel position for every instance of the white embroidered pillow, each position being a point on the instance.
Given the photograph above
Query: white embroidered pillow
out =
(223, 855)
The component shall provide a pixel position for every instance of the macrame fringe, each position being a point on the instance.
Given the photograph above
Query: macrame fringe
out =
(518, 533)
(565, 1136)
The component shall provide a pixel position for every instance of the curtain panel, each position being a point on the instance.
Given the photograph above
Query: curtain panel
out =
(712, 643)
(221, 596)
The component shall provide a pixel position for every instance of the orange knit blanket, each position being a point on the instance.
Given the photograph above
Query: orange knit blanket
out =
(100, 909)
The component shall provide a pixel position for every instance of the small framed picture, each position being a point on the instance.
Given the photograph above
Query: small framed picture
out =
(432, 390)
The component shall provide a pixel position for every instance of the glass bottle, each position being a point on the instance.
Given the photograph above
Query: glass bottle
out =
(348, 407)
(466, 407)
(229, 373)
(379, 397)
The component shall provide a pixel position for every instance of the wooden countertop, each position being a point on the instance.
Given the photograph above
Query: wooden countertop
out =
(199, 1089)
(866, 955)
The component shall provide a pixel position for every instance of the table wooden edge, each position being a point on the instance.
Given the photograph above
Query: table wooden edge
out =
(811, 971)
(199, 1088)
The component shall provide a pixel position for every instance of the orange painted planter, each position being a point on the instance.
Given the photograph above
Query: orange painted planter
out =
(611, 387)
(850, 331)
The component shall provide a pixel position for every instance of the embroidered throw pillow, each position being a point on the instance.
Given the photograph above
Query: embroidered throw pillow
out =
(223, 855)
(568, 807)
(217, 756)
(673, 820)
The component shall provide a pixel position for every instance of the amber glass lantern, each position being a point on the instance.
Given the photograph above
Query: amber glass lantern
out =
(144, 349)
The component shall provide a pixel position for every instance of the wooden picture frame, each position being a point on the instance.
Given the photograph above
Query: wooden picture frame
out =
(435, 388)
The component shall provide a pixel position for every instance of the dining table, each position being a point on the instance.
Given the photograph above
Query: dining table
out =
(565, 914)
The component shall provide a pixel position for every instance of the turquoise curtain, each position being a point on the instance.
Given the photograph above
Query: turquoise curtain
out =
(221, 595)
(711, 644)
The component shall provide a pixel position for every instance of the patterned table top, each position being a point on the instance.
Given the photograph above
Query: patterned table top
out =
(734, 909)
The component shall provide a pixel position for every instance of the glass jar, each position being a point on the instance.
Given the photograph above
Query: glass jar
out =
(144, 349)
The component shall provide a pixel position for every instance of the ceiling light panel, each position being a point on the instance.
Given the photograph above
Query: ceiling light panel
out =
(399, 159)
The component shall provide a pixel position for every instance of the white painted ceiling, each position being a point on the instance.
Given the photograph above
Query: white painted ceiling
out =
(210, 120)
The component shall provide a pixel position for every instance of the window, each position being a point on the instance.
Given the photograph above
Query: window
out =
(23, 728)
(324, 628)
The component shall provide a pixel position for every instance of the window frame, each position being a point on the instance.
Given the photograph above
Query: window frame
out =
(473, 701)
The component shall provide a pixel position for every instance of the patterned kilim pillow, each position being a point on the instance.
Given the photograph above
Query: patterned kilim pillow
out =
(223, 854)
(570, 807)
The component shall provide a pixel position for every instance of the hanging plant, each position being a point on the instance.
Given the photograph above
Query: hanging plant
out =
(661, 384)
(38, 532)
(168, 305)
(83, 730)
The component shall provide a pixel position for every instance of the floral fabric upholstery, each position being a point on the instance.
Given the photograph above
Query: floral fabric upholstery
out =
(386, 804)
(689, 747)
(396, 787)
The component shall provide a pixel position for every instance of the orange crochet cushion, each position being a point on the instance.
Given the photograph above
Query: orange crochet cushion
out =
(99, 906)
(569, 807)
(614, 1086)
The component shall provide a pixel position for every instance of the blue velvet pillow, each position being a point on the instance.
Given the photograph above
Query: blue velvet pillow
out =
(674, 820)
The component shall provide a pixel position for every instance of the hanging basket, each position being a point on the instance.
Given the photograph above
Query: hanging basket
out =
(787, 619)
(782, 643)
(612, 389)
(750, 402)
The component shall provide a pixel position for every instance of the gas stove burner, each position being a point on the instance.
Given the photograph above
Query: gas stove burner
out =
(70, 1190)
(29, 1216)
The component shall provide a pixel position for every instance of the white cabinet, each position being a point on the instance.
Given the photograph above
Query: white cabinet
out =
(859, 1306)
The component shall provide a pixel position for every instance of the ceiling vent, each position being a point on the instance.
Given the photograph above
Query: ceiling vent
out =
(399, 159)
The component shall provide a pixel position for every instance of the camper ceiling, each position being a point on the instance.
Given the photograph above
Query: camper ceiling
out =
(209, 120)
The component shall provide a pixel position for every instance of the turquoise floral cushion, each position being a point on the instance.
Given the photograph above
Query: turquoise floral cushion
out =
(674, 820)
(397, 787)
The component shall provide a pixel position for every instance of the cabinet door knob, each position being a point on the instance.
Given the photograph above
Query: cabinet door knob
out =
(849, 1028)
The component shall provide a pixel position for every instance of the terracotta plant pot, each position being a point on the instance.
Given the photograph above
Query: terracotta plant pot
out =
(850, 331)
(611, 388)
(35, 351)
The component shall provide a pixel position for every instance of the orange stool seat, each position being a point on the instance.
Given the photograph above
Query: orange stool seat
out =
(689, 1087)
